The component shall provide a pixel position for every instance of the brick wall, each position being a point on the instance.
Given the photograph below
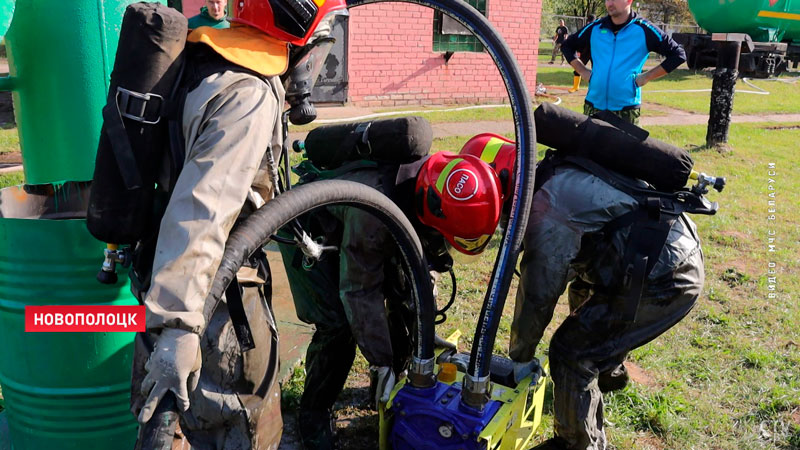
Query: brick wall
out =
(192, 7)
(391, 61)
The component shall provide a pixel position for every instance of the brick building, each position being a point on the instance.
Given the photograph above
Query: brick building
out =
(397, 54)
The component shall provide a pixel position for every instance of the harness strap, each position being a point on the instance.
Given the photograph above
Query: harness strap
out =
(648, 235)
(121, 146)
(241, 326)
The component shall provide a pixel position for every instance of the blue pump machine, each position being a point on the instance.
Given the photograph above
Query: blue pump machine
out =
(470, 401)
(436, 419)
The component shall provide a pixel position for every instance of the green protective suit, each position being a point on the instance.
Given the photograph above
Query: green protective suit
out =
(356, 297)
(205, 20)
(563, 242)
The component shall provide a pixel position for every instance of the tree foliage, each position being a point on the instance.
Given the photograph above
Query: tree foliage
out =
(663, 11)
(578, 8)
(667, 11)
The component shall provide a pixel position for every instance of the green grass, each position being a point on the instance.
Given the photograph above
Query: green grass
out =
(784, 96)
(434, 116)
(726, 377)
(9, 139)
(11, 179)
(729, 370)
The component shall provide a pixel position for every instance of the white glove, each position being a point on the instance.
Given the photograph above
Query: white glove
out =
(523, 369)
(384, 384)
(173, 366)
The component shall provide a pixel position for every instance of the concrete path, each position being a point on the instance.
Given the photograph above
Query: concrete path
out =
(440, 130)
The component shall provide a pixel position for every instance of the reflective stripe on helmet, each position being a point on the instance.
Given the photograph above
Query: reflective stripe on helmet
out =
(440, 182)
(489, 152)
(472, 245)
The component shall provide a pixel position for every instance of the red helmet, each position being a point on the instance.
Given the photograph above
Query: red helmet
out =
(497, 151)
(459, 196)
(292, 21)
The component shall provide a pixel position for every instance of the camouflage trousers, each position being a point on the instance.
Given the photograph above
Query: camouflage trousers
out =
(629, 115)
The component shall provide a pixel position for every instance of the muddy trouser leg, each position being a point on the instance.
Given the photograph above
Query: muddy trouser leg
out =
(579, 291)
(236, 405)
(328, 360)
(616, 377)
(590, 342)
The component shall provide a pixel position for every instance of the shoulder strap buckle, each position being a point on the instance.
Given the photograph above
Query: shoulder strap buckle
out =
(127, 100)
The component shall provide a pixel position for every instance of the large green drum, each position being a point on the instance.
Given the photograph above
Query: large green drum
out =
(763, 20)
(60, 56)
(62, 390)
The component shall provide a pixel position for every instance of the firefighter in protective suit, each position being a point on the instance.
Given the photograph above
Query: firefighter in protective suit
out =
(231, 119)
(360, 296)
(571, 234)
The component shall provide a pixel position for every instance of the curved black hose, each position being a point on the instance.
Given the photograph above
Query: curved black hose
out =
(523, 191)
(256, 230)
(441, 314)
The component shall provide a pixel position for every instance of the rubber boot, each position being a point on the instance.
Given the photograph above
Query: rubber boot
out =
(554, 443)
(316, 430)
(576, 83)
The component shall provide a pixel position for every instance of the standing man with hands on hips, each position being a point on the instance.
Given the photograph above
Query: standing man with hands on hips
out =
(620, 44)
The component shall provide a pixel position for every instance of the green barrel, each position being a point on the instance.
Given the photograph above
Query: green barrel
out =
(763, 21)
(60, 56)
(61, 390)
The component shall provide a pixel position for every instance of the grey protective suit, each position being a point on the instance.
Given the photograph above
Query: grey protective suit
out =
(562, 242)
(230, 120)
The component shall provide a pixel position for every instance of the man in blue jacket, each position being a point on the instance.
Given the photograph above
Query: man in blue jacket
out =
(619, 45)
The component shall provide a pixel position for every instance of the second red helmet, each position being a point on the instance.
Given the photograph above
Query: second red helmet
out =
(497, 151)
(459, 196)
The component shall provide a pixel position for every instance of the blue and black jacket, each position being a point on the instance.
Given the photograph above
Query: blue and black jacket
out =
(617, 58)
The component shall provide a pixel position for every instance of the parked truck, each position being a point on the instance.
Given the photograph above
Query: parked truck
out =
(773, 25)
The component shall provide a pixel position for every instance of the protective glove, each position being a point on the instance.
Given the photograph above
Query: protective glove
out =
(173, 366)
(523, 369)
(439, 341)
(383, 385)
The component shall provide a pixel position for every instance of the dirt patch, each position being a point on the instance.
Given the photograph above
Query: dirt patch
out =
(786, 127)
(11, 158)
(795, 416)
(736, 235)
(638, 375)
(650, 442)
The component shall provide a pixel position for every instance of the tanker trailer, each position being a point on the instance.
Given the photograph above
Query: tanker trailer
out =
(773, 25)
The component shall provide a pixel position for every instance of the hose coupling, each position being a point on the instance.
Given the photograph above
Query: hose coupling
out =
(476, 392)
(420, 372)
(113, 255)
